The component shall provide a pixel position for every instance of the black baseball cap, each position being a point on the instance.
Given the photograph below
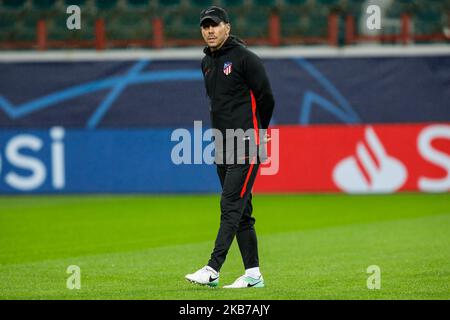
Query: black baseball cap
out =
(215, 14)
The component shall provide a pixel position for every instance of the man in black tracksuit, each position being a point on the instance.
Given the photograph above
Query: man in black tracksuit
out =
(240, 99)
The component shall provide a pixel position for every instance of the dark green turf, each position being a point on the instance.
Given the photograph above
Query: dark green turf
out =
(140, 247)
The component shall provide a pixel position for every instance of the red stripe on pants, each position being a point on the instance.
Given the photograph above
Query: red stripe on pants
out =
(249, 173)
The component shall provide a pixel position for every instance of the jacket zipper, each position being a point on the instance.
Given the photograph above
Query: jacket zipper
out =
(215, 59)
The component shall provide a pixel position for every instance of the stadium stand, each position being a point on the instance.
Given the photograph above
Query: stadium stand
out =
(158, 23)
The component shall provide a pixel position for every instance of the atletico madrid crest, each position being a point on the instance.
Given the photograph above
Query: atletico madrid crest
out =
(227, 67)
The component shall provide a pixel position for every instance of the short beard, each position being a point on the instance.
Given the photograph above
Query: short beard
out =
(219, 45)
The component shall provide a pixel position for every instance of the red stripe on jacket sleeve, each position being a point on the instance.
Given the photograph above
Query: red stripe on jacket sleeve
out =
(255, 120)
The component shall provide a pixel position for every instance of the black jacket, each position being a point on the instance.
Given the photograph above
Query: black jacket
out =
(231, 94)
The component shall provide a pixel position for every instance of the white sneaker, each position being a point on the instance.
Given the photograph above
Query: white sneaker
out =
(205, 276)
(247, 282)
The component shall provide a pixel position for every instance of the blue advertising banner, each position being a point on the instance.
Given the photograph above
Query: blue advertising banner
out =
(78, 161)
(144, 93)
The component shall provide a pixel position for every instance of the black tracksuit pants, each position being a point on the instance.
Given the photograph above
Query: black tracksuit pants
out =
(236, 215)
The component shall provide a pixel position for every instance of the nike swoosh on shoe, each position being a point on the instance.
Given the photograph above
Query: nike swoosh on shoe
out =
(251, 285)
(212, 279)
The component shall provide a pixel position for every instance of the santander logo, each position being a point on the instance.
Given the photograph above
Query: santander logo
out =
(371, 169)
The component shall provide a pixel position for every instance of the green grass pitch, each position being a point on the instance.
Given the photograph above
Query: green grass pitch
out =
(140, 247)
